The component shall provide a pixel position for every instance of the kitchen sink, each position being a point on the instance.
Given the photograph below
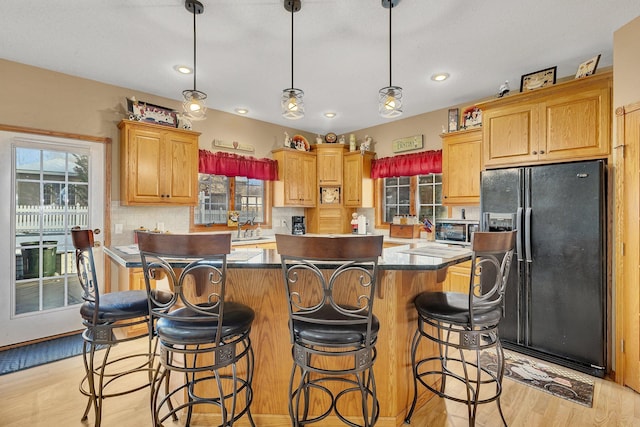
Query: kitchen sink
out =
(249, 239)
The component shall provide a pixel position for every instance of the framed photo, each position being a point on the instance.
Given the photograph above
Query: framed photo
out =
(453, 120)
(539, 79)
(144, 112)
(588, 67)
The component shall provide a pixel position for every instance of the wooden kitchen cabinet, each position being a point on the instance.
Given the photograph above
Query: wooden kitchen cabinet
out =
(461, 166)
(158, 165)
(328, 220)
(566, 121)
(458, 278)
(296, 185)
(358, 188)
(329, 163)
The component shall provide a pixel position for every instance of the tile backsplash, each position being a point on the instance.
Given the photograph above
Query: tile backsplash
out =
(174, 218)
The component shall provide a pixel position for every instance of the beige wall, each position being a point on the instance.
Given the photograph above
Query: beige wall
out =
(626, 64)
(37, 98)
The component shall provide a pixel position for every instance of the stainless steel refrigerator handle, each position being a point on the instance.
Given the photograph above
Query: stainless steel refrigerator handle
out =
(518, 226)
(527, 233)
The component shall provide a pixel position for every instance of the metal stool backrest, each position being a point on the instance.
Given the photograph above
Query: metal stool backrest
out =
(202, 259)
(490, 266)
(350, 266)
(86, 269)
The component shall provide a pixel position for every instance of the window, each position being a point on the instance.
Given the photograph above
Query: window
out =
(220, 194)
(416, 195)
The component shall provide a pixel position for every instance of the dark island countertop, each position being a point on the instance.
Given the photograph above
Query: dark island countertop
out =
(411, 256)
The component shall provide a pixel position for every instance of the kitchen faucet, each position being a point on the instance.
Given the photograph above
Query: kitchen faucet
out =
(247, 222)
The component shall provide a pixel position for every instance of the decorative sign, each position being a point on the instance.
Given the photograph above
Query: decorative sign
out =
(407, 144)
(235, 145)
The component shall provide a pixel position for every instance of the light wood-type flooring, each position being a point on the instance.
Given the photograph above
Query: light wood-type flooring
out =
(47, 396)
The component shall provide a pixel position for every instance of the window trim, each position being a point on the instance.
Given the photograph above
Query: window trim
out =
(268, 205)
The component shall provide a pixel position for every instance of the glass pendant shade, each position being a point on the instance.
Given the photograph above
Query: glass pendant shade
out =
(292, 104)
(193, 104)
(390, 102)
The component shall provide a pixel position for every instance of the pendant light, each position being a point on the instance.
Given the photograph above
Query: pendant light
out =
(291, 101)
(390, 97)
(193, 104)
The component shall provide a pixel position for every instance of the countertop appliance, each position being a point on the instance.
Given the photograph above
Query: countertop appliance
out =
(297, 225)
(556, 297)
(455, 231)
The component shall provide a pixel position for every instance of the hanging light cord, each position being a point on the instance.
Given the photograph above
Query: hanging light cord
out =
(390, 7)
(194, 47)
(292, 11)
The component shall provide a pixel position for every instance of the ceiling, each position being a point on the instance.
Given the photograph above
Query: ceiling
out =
(341, 49)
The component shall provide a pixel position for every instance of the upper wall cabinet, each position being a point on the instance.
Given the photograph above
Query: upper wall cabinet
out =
(461, 165)
(158, 165)
(567, 121)
(358, 189)
(329, 158)
(296, 185)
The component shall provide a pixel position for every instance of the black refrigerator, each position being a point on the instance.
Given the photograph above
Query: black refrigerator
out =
(556, 296)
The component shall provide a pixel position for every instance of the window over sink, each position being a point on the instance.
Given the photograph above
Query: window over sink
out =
(218, 194)
(419, 195)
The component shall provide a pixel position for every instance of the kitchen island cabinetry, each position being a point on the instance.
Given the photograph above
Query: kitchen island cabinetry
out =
(258, 283)
(158, 165)
(458, 278)
(461, 166)
(358, 189)
(296, 185)
(567, 121)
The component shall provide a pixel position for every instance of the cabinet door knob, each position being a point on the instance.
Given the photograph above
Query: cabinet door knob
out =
(541, 151)
(535, 152)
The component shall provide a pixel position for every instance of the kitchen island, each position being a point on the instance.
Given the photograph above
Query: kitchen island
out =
(255, 278)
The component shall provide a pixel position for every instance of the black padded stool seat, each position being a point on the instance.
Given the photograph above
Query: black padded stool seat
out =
(328, 333)
(203, 336)
(330, 286)
(464, 325)
(116, 306)
(453, 307)
(237, 320)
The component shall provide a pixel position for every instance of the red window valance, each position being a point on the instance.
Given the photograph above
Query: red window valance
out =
(422, 163)
(230, 164)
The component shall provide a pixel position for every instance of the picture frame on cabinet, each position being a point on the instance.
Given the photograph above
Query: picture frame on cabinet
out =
(330, 195)
(453, 120)
(538, 79)
(141, 111)
(588, 67)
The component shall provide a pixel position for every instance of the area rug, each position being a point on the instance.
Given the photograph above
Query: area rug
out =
(28, 356)
(560, 382)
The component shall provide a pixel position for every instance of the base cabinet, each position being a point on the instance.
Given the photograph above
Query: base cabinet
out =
(158, 165)
(458, 278)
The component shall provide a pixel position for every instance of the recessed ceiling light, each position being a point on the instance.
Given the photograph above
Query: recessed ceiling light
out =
(242, 110)
(183, 69)
(330, 115)
(440, 77)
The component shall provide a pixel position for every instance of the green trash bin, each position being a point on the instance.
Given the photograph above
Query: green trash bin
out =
(31, 259)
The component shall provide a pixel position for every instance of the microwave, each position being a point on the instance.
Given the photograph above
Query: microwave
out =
(456, 231)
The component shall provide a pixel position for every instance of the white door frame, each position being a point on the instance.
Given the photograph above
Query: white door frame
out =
(37, 325)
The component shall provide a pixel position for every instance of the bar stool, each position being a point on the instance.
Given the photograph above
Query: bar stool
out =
(330, 285)
(200, 333)
(111, 319)
(465, 325)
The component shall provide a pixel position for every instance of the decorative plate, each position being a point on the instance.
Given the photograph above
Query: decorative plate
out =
(331, 195)
(299, 142)
(331, 138)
